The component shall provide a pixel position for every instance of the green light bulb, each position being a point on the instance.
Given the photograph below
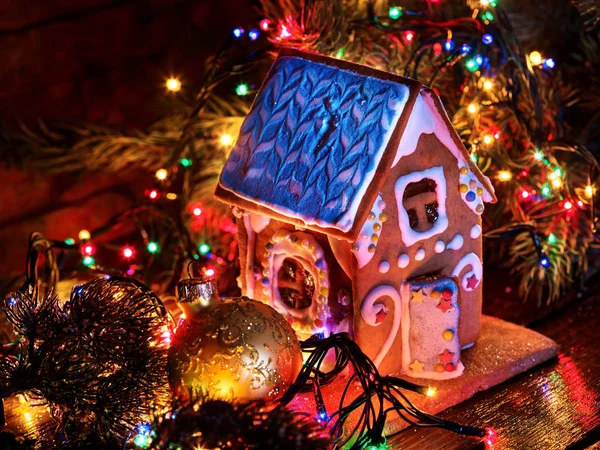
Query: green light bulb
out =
(395, 12)
(185, 162)
(70, 241)
(89, 261)
(242, 89)
(552, 238)
(153, 247)
(204, 249)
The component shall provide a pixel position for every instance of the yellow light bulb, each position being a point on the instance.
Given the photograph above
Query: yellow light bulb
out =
(171, 196)
(472, 108)
(535, 58)
(84, 235)
(488, 85)
(488, 139)
(484, 2)
(504, 175)
(226, 140)
(162, 174)
(589, 191)
(556, 183)
(173, 84)
(431, 392)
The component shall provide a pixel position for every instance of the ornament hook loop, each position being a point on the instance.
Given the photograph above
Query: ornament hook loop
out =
(201, 291)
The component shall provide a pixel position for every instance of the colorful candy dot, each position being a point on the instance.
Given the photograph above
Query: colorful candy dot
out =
(471, 196)
(374, 237)
(449, 367)
(479, 192)
(383, 217)
(464, 188)
(439, 368)
(479, 208)
(447, 293)
(448, 334)
(371, 215)
(355, 248)
(435, 295)
(372, 248)
(464, 170)
(324, 291)
(266, 281)
(318, 323)
(377, 227)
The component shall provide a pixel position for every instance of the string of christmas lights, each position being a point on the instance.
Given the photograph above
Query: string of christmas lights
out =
(506, 103)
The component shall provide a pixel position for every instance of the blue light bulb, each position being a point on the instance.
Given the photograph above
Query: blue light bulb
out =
(487, 39)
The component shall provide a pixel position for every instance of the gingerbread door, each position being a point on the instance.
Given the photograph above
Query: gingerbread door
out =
(430, 316)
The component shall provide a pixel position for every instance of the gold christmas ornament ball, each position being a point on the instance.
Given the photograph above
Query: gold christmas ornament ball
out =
(234, 349)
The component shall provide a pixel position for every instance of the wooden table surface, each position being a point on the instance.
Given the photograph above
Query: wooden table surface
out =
(554, 406)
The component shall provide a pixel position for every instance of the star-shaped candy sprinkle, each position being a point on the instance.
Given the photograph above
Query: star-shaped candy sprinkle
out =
(472, 282)
(445, 304)
(416, 366)
(446, 357)
(418, 296)
(381, 315)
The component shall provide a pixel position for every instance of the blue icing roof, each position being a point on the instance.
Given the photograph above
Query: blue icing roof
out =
(312, 141)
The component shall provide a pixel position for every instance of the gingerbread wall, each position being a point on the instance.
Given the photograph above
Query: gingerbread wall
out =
(430, 153)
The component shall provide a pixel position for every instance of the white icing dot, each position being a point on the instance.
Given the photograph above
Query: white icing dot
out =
(439, 246)
(403, 260)
(381, 204)
(364, 237)
(384, 266)
(456, 243)
(420, 254)
(475, 231)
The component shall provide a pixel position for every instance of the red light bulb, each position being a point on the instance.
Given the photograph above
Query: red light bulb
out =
(127, 252)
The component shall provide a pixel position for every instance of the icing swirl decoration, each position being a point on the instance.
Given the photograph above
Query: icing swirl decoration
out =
(472, 278)
(290, 253)
(372, 314)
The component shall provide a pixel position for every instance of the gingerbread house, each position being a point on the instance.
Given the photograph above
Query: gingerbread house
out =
(359, 210)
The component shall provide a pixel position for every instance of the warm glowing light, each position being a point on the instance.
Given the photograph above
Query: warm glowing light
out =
(488, 139)
(535, 58)
(568, 205)
(409, 35)
(490, 437)
(395, 12)
(162, 174)
(557, 183)
(127, 252)
(284, 33)
(484, 2)
(488, 85)
(589, 192)
(505, 175)
(472, 108)
(22, 399)
(153, 247)
(153, 194)
(264, 24)
(431, 392)
(171, 196)
(27, 417)
(173, 84)
(524, 193)
(88, 249)
(210, 272)
(84, 235)
(242, 89)
(226, 139)
(579, 203)
(197, 211)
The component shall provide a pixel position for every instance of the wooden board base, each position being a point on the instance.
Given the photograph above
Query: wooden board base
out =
(502, 351)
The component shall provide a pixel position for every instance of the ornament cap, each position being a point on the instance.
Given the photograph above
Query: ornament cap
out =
(200, 292)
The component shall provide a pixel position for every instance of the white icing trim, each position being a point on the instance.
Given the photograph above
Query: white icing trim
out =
(425, 118)
(470, 259)
(250, 252)
(360, 248)
(410, 236)
(420, 255)
(299, 250)
(439, 246)
(456, 243)
(405, 294)
(384, 267)
(259, 222)
(403, 260)
(369, 312)
(475, 231)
